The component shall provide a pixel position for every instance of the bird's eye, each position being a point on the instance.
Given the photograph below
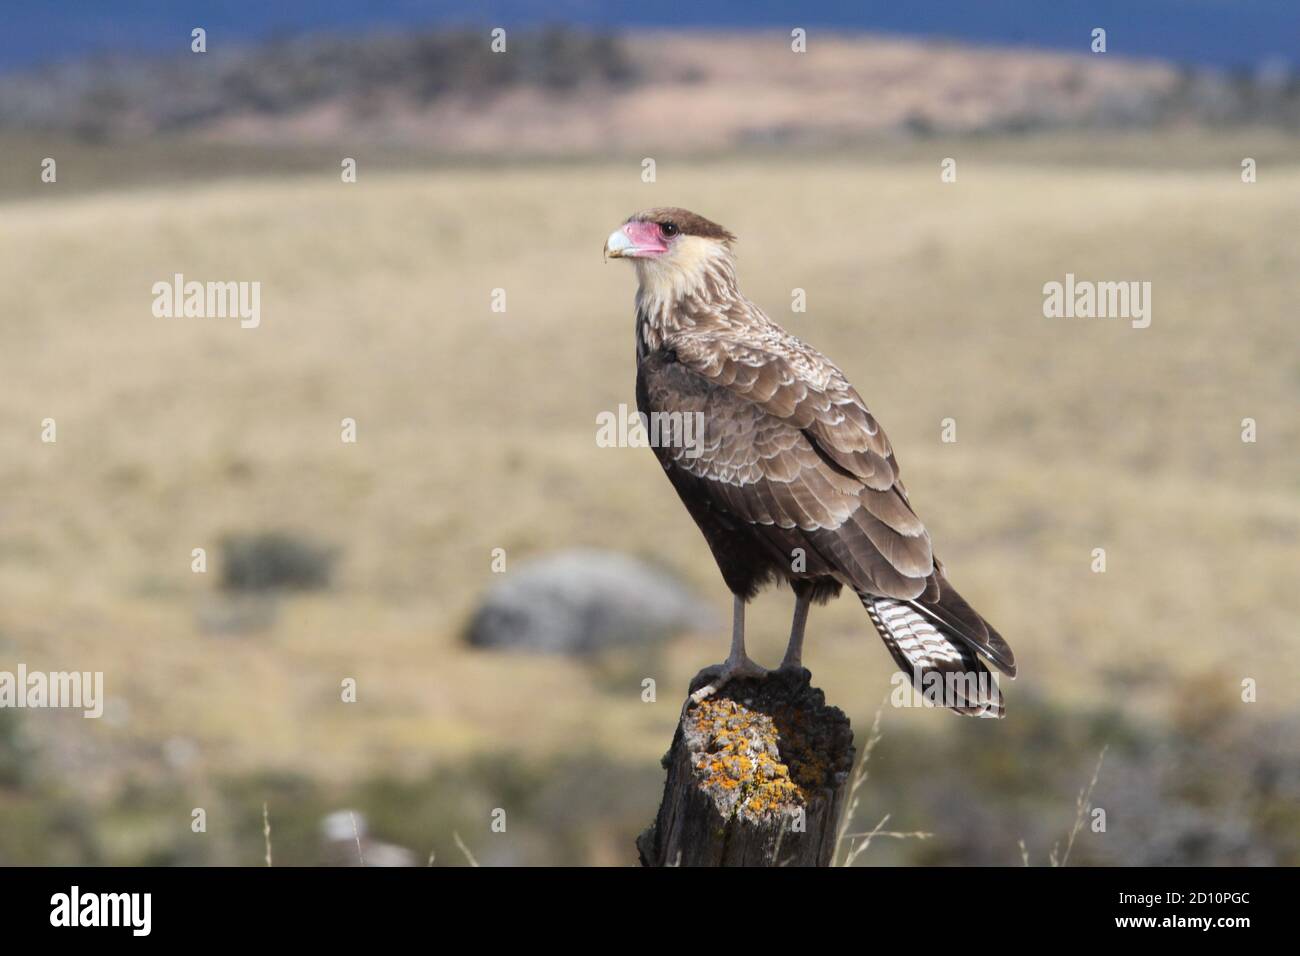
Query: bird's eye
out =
(669, 229)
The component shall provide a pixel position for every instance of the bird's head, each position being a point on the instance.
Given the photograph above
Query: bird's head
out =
(670, 245)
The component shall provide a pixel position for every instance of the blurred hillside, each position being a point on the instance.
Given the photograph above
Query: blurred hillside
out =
(477, 431)
(564, 92)
(1225, 33)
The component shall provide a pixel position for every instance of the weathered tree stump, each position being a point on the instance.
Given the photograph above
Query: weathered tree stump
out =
(757, 776)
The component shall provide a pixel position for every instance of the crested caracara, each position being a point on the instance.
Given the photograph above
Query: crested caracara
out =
(791, 478)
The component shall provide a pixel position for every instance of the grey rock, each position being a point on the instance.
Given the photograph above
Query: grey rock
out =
(581, 601)
(345, 841)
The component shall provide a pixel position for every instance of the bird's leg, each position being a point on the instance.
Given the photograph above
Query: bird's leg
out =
(737, 663)
(794, 650)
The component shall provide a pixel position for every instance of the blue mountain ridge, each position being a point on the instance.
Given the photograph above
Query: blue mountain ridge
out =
(1222, 33)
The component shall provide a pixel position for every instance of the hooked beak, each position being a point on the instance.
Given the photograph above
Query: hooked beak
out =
(619, 245)
(635, 240)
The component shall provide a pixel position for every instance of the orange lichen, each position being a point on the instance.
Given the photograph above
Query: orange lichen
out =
(767, 757)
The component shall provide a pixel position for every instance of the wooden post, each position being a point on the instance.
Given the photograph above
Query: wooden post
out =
(757, 776)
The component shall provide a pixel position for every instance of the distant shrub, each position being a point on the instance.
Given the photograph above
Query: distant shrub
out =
(112, 95)
(15, 752)
(274, 560)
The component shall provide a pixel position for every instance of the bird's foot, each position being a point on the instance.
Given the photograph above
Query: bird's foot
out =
(715, 677)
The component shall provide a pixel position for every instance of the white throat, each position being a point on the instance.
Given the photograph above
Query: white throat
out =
(694, 266)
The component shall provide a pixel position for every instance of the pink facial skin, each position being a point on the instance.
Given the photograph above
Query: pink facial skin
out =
(647, 240)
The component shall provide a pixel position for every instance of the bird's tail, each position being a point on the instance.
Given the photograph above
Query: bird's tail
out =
(937, 641)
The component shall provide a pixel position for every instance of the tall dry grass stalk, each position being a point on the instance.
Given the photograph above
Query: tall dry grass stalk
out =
(356, 835)
(463, 848)
(266, 831)
(844, 839)
(1082, 804)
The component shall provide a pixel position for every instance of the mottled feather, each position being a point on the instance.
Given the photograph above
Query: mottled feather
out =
(792, 478)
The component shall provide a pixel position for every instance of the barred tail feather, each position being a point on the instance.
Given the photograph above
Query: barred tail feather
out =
(950, 613)
(936, 658)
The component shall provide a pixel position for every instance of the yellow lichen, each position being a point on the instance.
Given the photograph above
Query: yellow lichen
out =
(764, 756)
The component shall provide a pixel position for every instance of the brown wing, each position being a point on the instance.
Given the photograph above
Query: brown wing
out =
(801, 387)
(797, 464)
(791, 448)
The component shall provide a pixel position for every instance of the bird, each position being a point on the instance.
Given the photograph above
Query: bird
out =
(788, 475)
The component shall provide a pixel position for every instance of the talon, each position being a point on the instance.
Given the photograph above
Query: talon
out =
(704, 693)
(719, 675)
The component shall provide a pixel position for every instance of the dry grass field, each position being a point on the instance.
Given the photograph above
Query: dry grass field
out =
(476, 430)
